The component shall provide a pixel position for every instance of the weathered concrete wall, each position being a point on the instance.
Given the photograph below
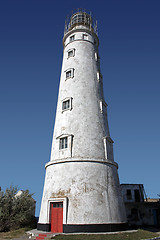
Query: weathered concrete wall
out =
(85, 120)
(143, 213)
(92, 189)
(83, 175)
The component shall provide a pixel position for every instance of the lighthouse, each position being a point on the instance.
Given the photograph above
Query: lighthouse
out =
(81, 190)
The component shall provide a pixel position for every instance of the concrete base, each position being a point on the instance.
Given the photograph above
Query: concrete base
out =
(69, 228)
(89, 190)
(44, 227)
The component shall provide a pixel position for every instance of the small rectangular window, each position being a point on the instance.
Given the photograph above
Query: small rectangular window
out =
(85, 36)
(58, 205)
(63, 143)
(103, 106)
(108, 148)
(66, 104)
(71, 53)
(70, 73)
(129, 194)
(72, 38)
(98, 76)
(97, 57)
(137, 195)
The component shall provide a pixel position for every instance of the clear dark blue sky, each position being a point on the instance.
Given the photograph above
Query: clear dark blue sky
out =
(31, 33)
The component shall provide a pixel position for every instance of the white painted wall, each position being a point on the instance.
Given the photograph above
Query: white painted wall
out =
(92, 190)
(85, 173)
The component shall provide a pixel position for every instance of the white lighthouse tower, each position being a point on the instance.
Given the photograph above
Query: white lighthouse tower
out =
(81, 190)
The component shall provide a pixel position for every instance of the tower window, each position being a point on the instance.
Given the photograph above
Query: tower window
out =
(70, 73)
(63, 143)
(85, 36)
(108, 148)
(72, 38)
(103, 106)
(71, 53)
(96, 57)
(66, 104)
(98, 76)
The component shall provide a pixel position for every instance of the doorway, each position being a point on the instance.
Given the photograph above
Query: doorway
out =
(57, 217)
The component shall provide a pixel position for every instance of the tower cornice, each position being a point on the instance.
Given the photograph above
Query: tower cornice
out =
(67, 160)
(78, 29)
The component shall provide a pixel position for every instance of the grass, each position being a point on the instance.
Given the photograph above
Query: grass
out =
(14, 233)
(139, 235)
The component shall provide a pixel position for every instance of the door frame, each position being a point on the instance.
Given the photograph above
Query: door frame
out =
(65, 204)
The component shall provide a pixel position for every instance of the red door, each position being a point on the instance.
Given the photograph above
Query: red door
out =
(57, 217)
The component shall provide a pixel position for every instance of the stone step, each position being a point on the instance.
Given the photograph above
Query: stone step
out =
(42, 235)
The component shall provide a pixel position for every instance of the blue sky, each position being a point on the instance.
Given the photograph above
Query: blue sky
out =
(31, 51)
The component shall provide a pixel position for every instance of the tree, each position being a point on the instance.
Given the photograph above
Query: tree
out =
(16, 210)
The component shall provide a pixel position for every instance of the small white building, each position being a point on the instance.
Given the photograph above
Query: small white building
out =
(81, 190)
(133, 192)
(140, 210)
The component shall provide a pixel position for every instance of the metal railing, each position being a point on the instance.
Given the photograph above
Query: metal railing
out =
(80, 17)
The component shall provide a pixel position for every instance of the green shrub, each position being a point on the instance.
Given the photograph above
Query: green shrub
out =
(16, 210)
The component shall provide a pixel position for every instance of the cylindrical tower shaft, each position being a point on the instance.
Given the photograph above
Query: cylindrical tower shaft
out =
(81, 174)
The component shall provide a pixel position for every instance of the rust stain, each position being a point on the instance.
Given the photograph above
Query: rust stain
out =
(73, 181)
(61, 193)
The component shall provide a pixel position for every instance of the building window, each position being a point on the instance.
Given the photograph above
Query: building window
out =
(66, 104)
(96, 57)
(72, 38)
(85, 37)
(63, 143)
(108, 148)
(70, 73)
(129, 194)
(103, 106)
(137, 195)
(57, 205)
(98, 76)
(71, 53)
